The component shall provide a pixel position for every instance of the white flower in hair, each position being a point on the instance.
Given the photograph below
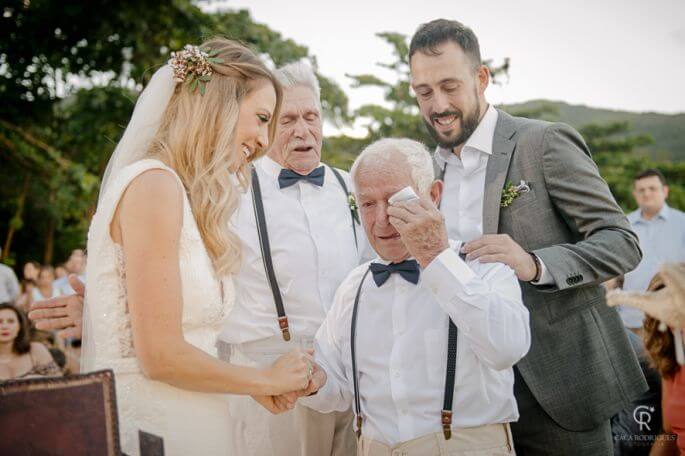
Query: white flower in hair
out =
(192, 65)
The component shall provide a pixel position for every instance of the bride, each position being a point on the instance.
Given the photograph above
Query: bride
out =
(161, 252)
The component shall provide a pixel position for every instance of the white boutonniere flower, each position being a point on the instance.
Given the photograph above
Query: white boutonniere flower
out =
(352, 203)
(511, 192)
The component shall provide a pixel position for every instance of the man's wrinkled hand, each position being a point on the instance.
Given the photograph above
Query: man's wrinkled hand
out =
(271, 403)
(421, 227)
(287, 401)
(64, 313)
(317, 381)
(501, 248)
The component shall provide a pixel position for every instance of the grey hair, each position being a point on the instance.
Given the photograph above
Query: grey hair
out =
(385, 150)
(298, 74)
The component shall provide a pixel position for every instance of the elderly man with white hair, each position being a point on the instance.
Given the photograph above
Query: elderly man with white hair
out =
(420, 341)
(299, 242)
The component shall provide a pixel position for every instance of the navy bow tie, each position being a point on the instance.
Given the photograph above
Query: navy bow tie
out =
(288, 177)
(408, 269)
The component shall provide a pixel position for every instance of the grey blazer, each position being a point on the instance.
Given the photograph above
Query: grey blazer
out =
(581, 367)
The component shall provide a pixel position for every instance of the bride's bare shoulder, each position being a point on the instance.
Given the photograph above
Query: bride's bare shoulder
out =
(153, 198)
(155, 183)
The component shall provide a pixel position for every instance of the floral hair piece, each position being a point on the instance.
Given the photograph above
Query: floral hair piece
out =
(192, 66)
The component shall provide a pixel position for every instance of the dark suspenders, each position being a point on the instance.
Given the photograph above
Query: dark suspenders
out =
(450, 374)
(260, 217)
(258, 205)
(353, 343)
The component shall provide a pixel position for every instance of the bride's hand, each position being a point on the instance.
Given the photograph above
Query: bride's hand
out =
(286, 401)
(274, 404)
(291, 372)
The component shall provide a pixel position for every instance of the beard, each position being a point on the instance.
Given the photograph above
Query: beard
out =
(469, 123)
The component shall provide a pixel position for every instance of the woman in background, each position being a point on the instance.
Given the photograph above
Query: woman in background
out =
(19, 357)
(664, 304)
(44, 288)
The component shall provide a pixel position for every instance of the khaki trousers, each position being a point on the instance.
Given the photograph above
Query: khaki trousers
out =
(299, 432)
(490, 440)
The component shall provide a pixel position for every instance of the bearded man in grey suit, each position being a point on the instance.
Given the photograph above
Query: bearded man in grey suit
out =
(557, 225)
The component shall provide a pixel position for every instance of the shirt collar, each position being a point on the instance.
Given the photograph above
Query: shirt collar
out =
(665, 212)
(636, 216)
(269, 166)
(481, 139)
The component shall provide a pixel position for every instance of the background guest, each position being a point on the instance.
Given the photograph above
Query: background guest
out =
(661, 230)
(76, 264)
(45, 288)
(25, 298)
(665, 307)
(30, 270)
(28, 283)
(9, 285)
(19, 357)
(624, 427)
(60, 271)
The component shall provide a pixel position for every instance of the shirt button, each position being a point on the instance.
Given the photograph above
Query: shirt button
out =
(396, 374)
(403, 411)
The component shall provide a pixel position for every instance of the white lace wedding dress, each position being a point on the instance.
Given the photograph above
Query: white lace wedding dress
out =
(190, 423)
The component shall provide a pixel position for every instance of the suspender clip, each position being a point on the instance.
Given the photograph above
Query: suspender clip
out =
(283, 324)
(447, 424)
(359, 426)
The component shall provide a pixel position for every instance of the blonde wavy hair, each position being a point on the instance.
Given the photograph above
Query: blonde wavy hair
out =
(196, 138)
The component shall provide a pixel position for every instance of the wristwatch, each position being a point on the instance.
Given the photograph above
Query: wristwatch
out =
(538, 268)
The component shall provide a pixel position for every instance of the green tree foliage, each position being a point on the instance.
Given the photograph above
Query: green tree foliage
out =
(69, 77)
(614, 148)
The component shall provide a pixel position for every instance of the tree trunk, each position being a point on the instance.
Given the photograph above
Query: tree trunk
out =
(17, 216)
(49, 242)
(50, 236)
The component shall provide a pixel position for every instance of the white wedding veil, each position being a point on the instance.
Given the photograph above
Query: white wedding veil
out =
(144, 123)
(133, 145)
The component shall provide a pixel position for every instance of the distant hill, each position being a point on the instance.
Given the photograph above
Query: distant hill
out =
(667, 130)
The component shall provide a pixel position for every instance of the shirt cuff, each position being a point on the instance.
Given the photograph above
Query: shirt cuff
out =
(545, 276)
(321, 401)
(442, 273)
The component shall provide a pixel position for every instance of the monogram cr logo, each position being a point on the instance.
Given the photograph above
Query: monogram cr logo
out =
(642, 416)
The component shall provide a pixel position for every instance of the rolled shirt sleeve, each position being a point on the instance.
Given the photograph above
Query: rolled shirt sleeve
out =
(484, 302)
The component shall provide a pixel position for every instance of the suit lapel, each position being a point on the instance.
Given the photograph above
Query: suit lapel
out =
(496, 171)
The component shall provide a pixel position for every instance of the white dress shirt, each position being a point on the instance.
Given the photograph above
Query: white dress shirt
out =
(462, 197)
(401, 348)
(312, 248)
(9, 285)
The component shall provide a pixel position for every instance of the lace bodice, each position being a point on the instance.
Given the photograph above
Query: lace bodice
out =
(206, 300)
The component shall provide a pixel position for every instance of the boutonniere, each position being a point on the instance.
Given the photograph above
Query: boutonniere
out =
(352, 203)
(511, 192)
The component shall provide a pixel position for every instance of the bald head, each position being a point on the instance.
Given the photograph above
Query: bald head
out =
(397, 156)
